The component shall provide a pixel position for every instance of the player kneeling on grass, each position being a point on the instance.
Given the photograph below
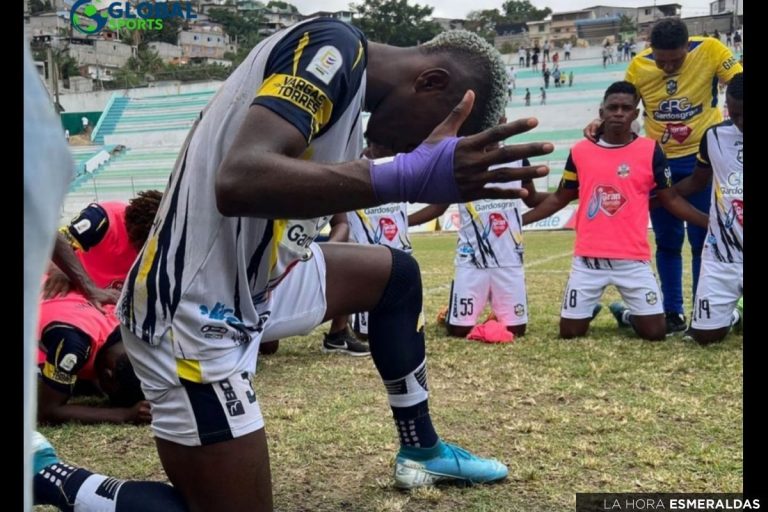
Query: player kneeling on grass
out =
(489, 261)
(613, 179)
(718, 303)
(256, 180)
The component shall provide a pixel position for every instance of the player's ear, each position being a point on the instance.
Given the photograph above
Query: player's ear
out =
(432, 79)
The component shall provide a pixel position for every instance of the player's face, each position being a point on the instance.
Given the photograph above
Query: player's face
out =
(736, 112)
(670, 61)
(618, 112)
(404, 119)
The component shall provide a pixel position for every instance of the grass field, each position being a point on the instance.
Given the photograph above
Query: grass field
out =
(606, 413)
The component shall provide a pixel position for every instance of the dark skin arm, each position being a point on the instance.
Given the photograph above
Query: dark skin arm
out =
(426, 214)
(680, 208)
(698, 180)
(288, 187)
(534, 197)
(339, 228)
(552, 203)
(52, 408)
(70, 269)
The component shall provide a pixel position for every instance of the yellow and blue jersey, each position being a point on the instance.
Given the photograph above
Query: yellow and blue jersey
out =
(679, 108)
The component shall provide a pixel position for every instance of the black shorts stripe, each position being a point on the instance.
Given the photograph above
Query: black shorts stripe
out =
(210, 416)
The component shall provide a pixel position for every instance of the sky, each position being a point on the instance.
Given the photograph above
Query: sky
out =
(460, 8)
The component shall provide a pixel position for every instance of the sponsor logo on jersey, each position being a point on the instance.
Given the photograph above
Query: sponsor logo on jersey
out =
(213, 332)
(326, 63)
(677, 131)
(68, 362)
(605, 198)
(388, 228)
(498, 224)
(82, 226)
(735, 185)
(302, 94)
(466, 250)
(736, 213)
(234, 405)
(623, 170)
(677, 109)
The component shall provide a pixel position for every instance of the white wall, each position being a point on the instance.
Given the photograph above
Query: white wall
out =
(96, 101)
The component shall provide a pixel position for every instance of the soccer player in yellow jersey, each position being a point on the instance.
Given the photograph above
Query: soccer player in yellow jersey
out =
(677, 79)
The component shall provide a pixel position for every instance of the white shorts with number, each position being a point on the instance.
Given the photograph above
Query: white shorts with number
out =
(589, 277)
(190, 408)
(719, 289)
(472, 287)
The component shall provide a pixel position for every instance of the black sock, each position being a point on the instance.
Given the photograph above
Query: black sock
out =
(58, 485)
(396, 338)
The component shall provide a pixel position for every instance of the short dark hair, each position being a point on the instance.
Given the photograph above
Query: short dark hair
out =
(488, 75)
(140, 214)
(736, 87)
(622, 87)
(129, 391)
(129, 387)
(669, 34)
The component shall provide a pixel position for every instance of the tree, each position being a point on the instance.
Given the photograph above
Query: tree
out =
(483, 23)
(145, 61)
(244, 28)
(521, 11)
(395, 22)
(38, 6)
(626, 24)
(282, 5)
(168, 34)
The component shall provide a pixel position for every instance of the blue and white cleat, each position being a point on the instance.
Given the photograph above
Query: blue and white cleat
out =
(450, 464)
(44, 453)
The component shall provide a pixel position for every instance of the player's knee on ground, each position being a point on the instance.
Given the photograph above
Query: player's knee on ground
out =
(458, 331)
(570, 328)
(707, 337)
(650, 327)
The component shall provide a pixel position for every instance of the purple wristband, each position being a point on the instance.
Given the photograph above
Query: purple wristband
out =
(425, 175)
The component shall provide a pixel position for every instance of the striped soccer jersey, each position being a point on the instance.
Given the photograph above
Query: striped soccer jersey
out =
(203, 279)
(722, 149)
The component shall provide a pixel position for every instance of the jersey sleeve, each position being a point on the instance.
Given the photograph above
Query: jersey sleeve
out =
(727, 65)
(631, 74)
(662, 174)
(313, 74)
(702, 157)
(67, 350)
(570, 180)
(88, 228)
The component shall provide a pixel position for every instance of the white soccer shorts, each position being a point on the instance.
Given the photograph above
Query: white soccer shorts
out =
(719, 289)
(190, 408)
(473, 287)
(589, 277)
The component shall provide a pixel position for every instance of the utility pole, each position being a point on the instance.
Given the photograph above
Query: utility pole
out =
(54, 71)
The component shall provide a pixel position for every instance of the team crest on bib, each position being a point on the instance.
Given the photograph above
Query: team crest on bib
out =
(671, 87)
(623, 170)
(326, 62)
